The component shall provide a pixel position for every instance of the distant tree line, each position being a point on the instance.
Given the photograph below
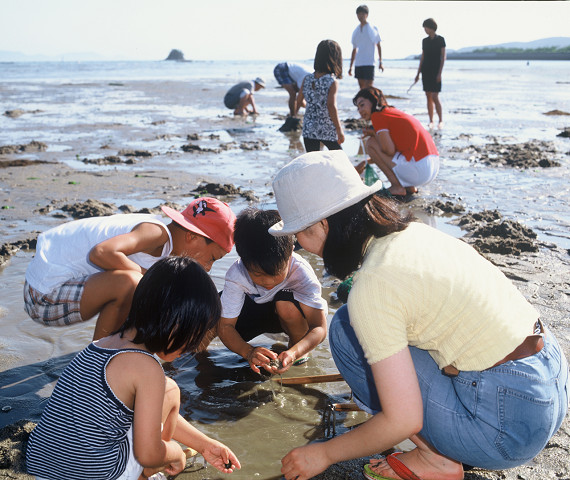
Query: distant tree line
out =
(503, 50)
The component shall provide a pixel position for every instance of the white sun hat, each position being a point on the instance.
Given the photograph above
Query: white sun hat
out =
(314, 186)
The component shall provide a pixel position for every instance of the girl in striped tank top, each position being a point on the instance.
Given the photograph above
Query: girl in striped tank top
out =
(114, 415)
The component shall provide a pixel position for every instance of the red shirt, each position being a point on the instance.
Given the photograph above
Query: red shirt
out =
(409, 136)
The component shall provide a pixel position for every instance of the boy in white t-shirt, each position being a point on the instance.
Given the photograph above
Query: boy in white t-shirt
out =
(270, 289)
(92, 266)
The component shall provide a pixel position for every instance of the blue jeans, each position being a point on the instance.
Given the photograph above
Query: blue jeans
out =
(495, 419)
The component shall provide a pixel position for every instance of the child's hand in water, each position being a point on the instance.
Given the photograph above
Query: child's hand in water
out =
(284, 361)
(261, 357)
(221, 457)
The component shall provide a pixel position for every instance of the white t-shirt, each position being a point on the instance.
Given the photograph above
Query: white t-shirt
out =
(364, 39)
(62, 252)
(301, 280)
(297, 73)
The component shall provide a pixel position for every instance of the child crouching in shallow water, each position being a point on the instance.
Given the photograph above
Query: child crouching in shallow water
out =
(113, 413)
(270, 289)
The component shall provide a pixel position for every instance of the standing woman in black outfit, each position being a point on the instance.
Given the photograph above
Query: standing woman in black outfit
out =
(431, 65)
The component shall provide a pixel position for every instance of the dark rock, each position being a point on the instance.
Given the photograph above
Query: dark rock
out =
(489, 233)
(175, 55)
(292, 124)
(18, 113)
(89, 208)
(531, 154)
(33, 146)
(13, 440)
(191, 148)
(438, 208)
(14, 113)
(20, 163)
(564, 133)
(471, 221)
(505, 229)
(253, 145)
(556, 112)
(135, 153)
(109, 160)
(9, 249)
(217, 189)
(354, 124)
(127, 208)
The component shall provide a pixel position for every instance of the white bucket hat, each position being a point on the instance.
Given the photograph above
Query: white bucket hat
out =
(313, 187)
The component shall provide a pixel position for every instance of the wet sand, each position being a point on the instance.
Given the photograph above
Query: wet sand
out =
(39, 191)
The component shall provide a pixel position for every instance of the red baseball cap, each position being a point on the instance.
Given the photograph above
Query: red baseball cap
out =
(208, 217)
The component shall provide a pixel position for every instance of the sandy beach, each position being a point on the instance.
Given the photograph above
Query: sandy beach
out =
(502, 189)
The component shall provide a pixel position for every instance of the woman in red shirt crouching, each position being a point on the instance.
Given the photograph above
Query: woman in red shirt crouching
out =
(398, 143)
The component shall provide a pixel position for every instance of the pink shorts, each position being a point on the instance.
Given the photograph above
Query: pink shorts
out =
(414, 174)
(57, 308)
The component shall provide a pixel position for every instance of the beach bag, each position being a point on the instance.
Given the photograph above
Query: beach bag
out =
(370, 176)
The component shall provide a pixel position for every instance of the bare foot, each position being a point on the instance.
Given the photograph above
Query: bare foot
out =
(397, 191)
(425, 467)
(411, 190)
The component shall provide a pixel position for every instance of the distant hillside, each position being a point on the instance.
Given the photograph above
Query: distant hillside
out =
(554, 48)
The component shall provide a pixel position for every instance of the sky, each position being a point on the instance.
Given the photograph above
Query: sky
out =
(265, 29)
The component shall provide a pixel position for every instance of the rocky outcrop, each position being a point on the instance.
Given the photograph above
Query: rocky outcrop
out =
(176, 55)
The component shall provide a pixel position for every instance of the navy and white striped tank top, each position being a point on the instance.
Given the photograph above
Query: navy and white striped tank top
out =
(82, 434)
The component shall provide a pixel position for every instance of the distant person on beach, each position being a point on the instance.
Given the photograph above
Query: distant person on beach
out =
(270, 289)
(365, 40)
(431, 66)
(321, 123)
(290, 76)
(92, 266)
(240, 96)
(398, 143)
(113, 413)
(435, 342)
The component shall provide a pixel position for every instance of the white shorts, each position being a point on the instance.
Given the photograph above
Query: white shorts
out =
(415, 174)
(133, 469)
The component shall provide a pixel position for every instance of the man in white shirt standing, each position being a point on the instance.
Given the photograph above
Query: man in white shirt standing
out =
(364, 39)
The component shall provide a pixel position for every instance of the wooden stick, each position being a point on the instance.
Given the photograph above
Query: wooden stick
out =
(346, 407)
(333, 377)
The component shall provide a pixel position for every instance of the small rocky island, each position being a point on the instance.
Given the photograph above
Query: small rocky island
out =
(176, 55)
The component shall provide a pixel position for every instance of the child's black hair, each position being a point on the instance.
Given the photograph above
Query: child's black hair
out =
(328, 58)
(256, 247)
(174, 305)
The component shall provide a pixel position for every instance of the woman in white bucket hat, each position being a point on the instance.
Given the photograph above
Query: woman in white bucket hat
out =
(435, 342)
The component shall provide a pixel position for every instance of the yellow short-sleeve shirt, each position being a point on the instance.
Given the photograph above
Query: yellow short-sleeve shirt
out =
(424, 288)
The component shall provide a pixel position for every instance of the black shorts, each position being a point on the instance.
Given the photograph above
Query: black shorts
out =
(258, 318)
(364, 72)
(314, 145)
(430, 83)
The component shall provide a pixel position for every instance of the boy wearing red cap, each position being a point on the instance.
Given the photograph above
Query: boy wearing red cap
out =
(92, 266)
